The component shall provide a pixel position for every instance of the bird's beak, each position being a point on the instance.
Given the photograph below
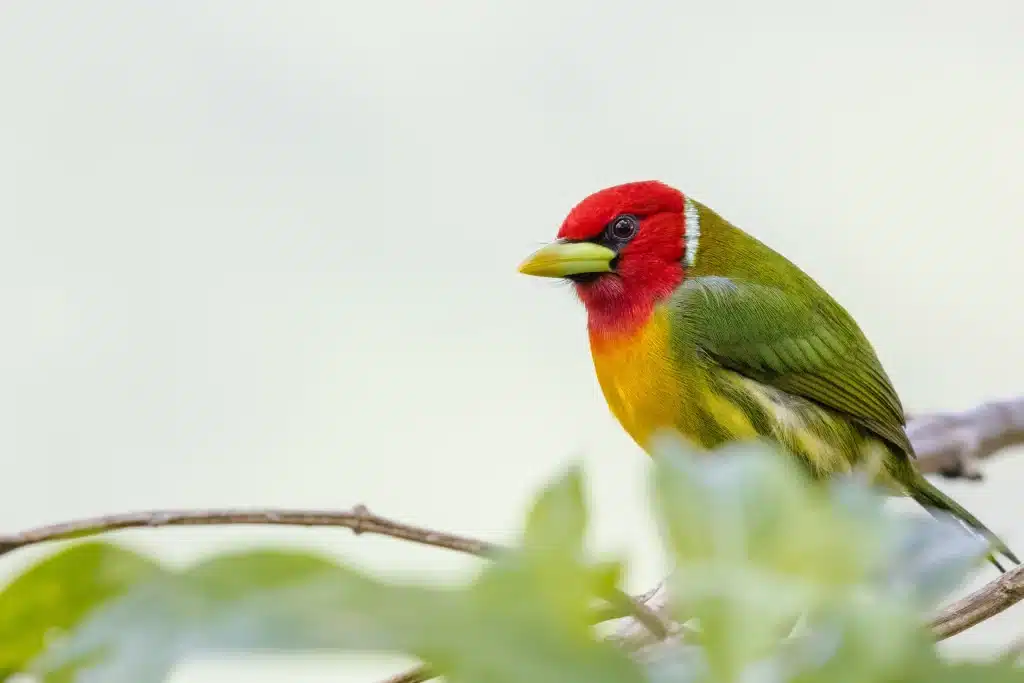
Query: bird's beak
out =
(561, 259)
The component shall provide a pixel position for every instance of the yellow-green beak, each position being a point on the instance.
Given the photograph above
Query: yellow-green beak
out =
(561, 259)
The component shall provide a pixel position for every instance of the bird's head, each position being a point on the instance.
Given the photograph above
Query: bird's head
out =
(623, 248)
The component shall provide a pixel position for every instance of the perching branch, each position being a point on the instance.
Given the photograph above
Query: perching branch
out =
(987, 601)
(950, 444)
(360, 520)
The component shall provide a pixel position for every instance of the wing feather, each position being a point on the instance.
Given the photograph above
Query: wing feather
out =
(812, 349)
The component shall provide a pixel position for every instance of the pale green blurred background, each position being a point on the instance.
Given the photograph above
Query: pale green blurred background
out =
(264, 253)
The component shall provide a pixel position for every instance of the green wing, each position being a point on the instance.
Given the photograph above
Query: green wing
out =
(802, 343)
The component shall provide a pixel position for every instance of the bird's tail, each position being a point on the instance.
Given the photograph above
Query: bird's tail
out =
(931, 498)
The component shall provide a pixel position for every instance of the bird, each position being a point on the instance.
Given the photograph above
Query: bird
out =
(699, 328)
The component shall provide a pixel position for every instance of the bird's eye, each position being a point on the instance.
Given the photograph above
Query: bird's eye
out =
(623, 228)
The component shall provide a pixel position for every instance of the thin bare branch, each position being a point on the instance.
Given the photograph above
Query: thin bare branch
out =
(630, 637)
(621, 605)
(987, 601)
(951, 444)
(359, 520)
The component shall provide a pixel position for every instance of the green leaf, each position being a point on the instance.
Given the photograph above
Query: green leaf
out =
(58, 592)
(866, 638)
(675, 663)
(929, 558)
(923, 559)
(546, 593)
(524, 619)
(557, 520)
(552, 547)
(757, 545)
(500, 628)
(260, 600)
(727, 520)
(515, 633)
(749, 504)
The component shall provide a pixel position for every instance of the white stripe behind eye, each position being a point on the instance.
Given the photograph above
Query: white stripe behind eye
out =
(691, 225)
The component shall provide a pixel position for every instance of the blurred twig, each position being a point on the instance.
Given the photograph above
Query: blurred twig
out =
(987, 601)
(949, 444)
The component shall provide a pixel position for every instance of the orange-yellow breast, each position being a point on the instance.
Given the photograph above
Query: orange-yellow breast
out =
(643, 387)
(650, 388)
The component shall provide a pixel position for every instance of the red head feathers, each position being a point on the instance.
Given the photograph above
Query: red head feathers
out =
(645, 198)
(633, 237)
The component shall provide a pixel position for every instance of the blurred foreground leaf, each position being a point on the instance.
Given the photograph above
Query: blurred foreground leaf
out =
(55, 594)
(757, 546)
(525, 618)
(756, 549)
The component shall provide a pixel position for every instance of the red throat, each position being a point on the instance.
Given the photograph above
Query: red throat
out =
(647, 270)
(619, 304)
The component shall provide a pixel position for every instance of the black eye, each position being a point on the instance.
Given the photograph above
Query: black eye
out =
(623, 228)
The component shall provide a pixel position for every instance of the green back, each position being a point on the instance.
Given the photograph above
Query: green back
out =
(750, 310)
